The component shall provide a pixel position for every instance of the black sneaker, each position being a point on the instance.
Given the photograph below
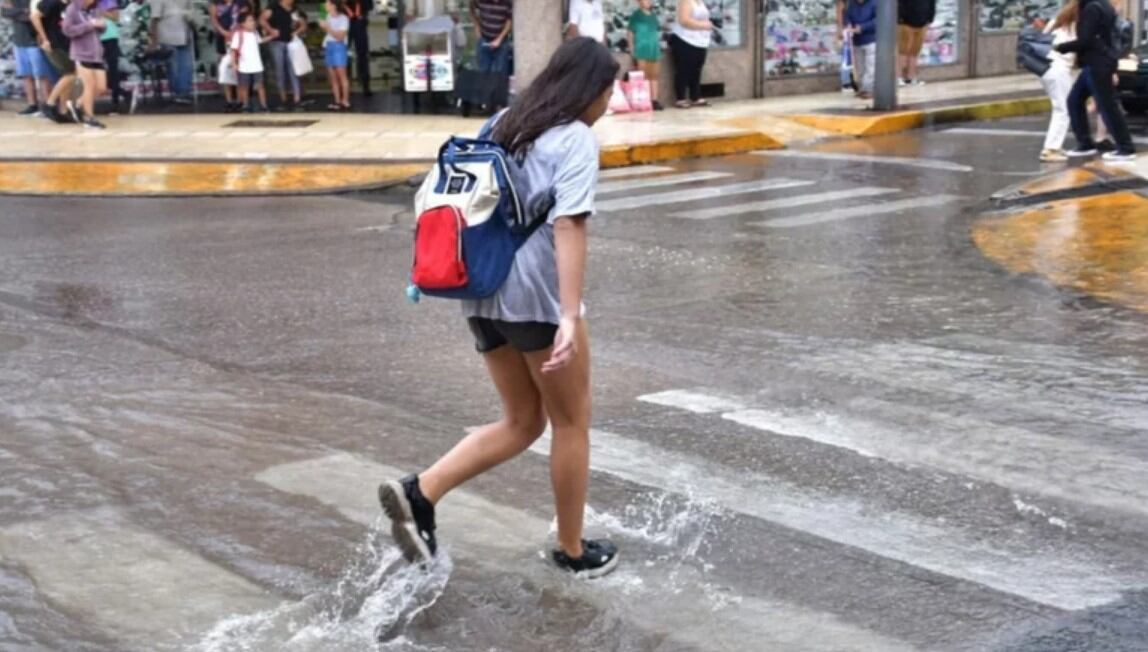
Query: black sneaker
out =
(1106, 146)
(412, 518)
(29, 111)
(598, 559)
(1082, 152)
(92, 123)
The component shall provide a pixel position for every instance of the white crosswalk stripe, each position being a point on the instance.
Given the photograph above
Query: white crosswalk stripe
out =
(925, 163)
(1022, 133)
(849, 195)
(629, 185)
(148, 591)
(637, 170)
(708, 192)
(850, 212)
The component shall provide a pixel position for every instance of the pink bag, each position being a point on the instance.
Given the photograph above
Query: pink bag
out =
(638, 93)
(618, 102)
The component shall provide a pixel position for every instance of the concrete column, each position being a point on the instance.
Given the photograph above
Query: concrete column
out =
(885, 86)
(537, 34)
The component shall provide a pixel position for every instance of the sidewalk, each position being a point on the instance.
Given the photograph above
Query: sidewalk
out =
(391, 143)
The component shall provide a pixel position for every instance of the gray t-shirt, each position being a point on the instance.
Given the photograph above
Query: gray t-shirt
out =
(560, 174)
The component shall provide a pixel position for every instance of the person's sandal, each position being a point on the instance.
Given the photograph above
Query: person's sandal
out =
(683, 105)
(700, 103)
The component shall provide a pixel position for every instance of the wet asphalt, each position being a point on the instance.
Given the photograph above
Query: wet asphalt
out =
(822, 423)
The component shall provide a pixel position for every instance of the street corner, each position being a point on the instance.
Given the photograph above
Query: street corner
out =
(190, 179)
(865, 123)
(1082, 228)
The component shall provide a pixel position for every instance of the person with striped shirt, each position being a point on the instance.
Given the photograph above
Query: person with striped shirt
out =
(494, 19)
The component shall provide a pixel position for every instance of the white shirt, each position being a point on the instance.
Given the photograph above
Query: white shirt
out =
(588, 17)
(247, 43)
(699, 38)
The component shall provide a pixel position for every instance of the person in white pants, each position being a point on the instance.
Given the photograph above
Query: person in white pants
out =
(1058, 81)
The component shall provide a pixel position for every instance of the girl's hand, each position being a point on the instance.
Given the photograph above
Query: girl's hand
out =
(565, 345)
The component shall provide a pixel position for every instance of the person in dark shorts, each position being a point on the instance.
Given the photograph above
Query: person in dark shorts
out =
(47, 18)
(83, 24)
(531, 332)
(245, 42)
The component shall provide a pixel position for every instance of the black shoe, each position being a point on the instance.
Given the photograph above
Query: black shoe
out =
(598, 559)
(658, 106)
(92, 123)
(1106, 146)
(412, 518)
(1082, 151)
(29, 111)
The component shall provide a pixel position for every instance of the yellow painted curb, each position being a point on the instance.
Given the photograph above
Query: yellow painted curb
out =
(138, 178)
(671, 150)
(1097, 245)
(896, 122)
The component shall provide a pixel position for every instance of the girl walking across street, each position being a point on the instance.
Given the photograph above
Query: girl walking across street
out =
(280, 25)
(1058, 81)
(83, 26)
(531, 333)
(688, 45)
(335, 52)
(1097, 56)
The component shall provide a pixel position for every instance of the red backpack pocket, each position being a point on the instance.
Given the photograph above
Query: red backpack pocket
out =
(438, 261)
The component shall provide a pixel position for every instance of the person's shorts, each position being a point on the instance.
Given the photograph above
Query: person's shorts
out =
(910, 40)
(62, 62)
(651, 69)
(525, 337)
(335, 55)
(92, 65)
(246, 79)
(32, 62)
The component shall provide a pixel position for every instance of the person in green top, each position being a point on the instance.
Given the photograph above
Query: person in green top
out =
(646, 45)
(110, 12)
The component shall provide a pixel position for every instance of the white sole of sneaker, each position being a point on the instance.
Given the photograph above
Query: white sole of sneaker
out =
(403, 528)
(601, 571)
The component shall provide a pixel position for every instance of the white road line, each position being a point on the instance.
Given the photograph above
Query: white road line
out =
(695, 402)
(925, 163)
(657, 182)
(640, 592)
(1066, 581)
(638, 170)
(141, 588)
(784, 202)
(975, 131)
(865, 210)
(709, 192)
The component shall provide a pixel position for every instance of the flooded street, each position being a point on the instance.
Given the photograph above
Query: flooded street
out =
(824, 421)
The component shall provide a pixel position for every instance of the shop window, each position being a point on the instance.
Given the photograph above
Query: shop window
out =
(801, 37)
(726, 16)
(1011, 15)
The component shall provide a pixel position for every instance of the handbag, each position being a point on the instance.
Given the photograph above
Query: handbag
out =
(300, 59)
(1032, 49)
(618, 103)
(638, 93)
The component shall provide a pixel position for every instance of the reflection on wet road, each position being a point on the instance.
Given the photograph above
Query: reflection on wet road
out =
(837, 408)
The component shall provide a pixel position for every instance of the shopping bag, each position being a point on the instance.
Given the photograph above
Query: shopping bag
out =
(638, 93)
(300, 59)
(618, 103)
(227, 74)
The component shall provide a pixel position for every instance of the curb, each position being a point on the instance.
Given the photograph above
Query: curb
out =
(617, 156)
(863, 126)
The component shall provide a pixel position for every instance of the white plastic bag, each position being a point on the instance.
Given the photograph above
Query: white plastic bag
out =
(227, 76)
(300, 60)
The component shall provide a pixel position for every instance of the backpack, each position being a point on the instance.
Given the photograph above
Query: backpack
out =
(1123, 37)
(471, 221)
(1032, 49)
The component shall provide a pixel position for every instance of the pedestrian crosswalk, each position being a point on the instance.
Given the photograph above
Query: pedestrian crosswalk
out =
(783, 202)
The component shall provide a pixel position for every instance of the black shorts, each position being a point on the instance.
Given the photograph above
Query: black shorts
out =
(525, 337)
(92, 66)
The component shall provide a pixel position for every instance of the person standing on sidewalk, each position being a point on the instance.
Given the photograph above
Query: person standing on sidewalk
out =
(689, 43)
(1058, 81)
(226, 17)
(359, 11)
(587, 18)
(32, 65)
(171, 27)
(913, 21)
(646, 45)
(861, 26)
(83, 24)
(1097, 55)
(495, 20)
(335, 53)
(110, 39)
(48, 18)
(531, 333)
(280, 25)
(244, 49)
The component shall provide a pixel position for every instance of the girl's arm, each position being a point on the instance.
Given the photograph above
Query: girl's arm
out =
(570, 248)
(265, 23)
(75, 23)
(300, 28)
(686, 17)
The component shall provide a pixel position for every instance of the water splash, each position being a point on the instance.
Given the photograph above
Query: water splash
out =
(375, 599)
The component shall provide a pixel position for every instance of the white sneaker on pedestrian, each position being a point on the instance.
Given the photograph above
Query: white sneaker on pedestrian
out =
(1119, 157)
(72, 110)
(918, 82)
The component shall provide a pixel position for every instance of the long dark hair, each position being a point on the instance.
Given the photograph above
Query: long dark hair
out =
(577, 75)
